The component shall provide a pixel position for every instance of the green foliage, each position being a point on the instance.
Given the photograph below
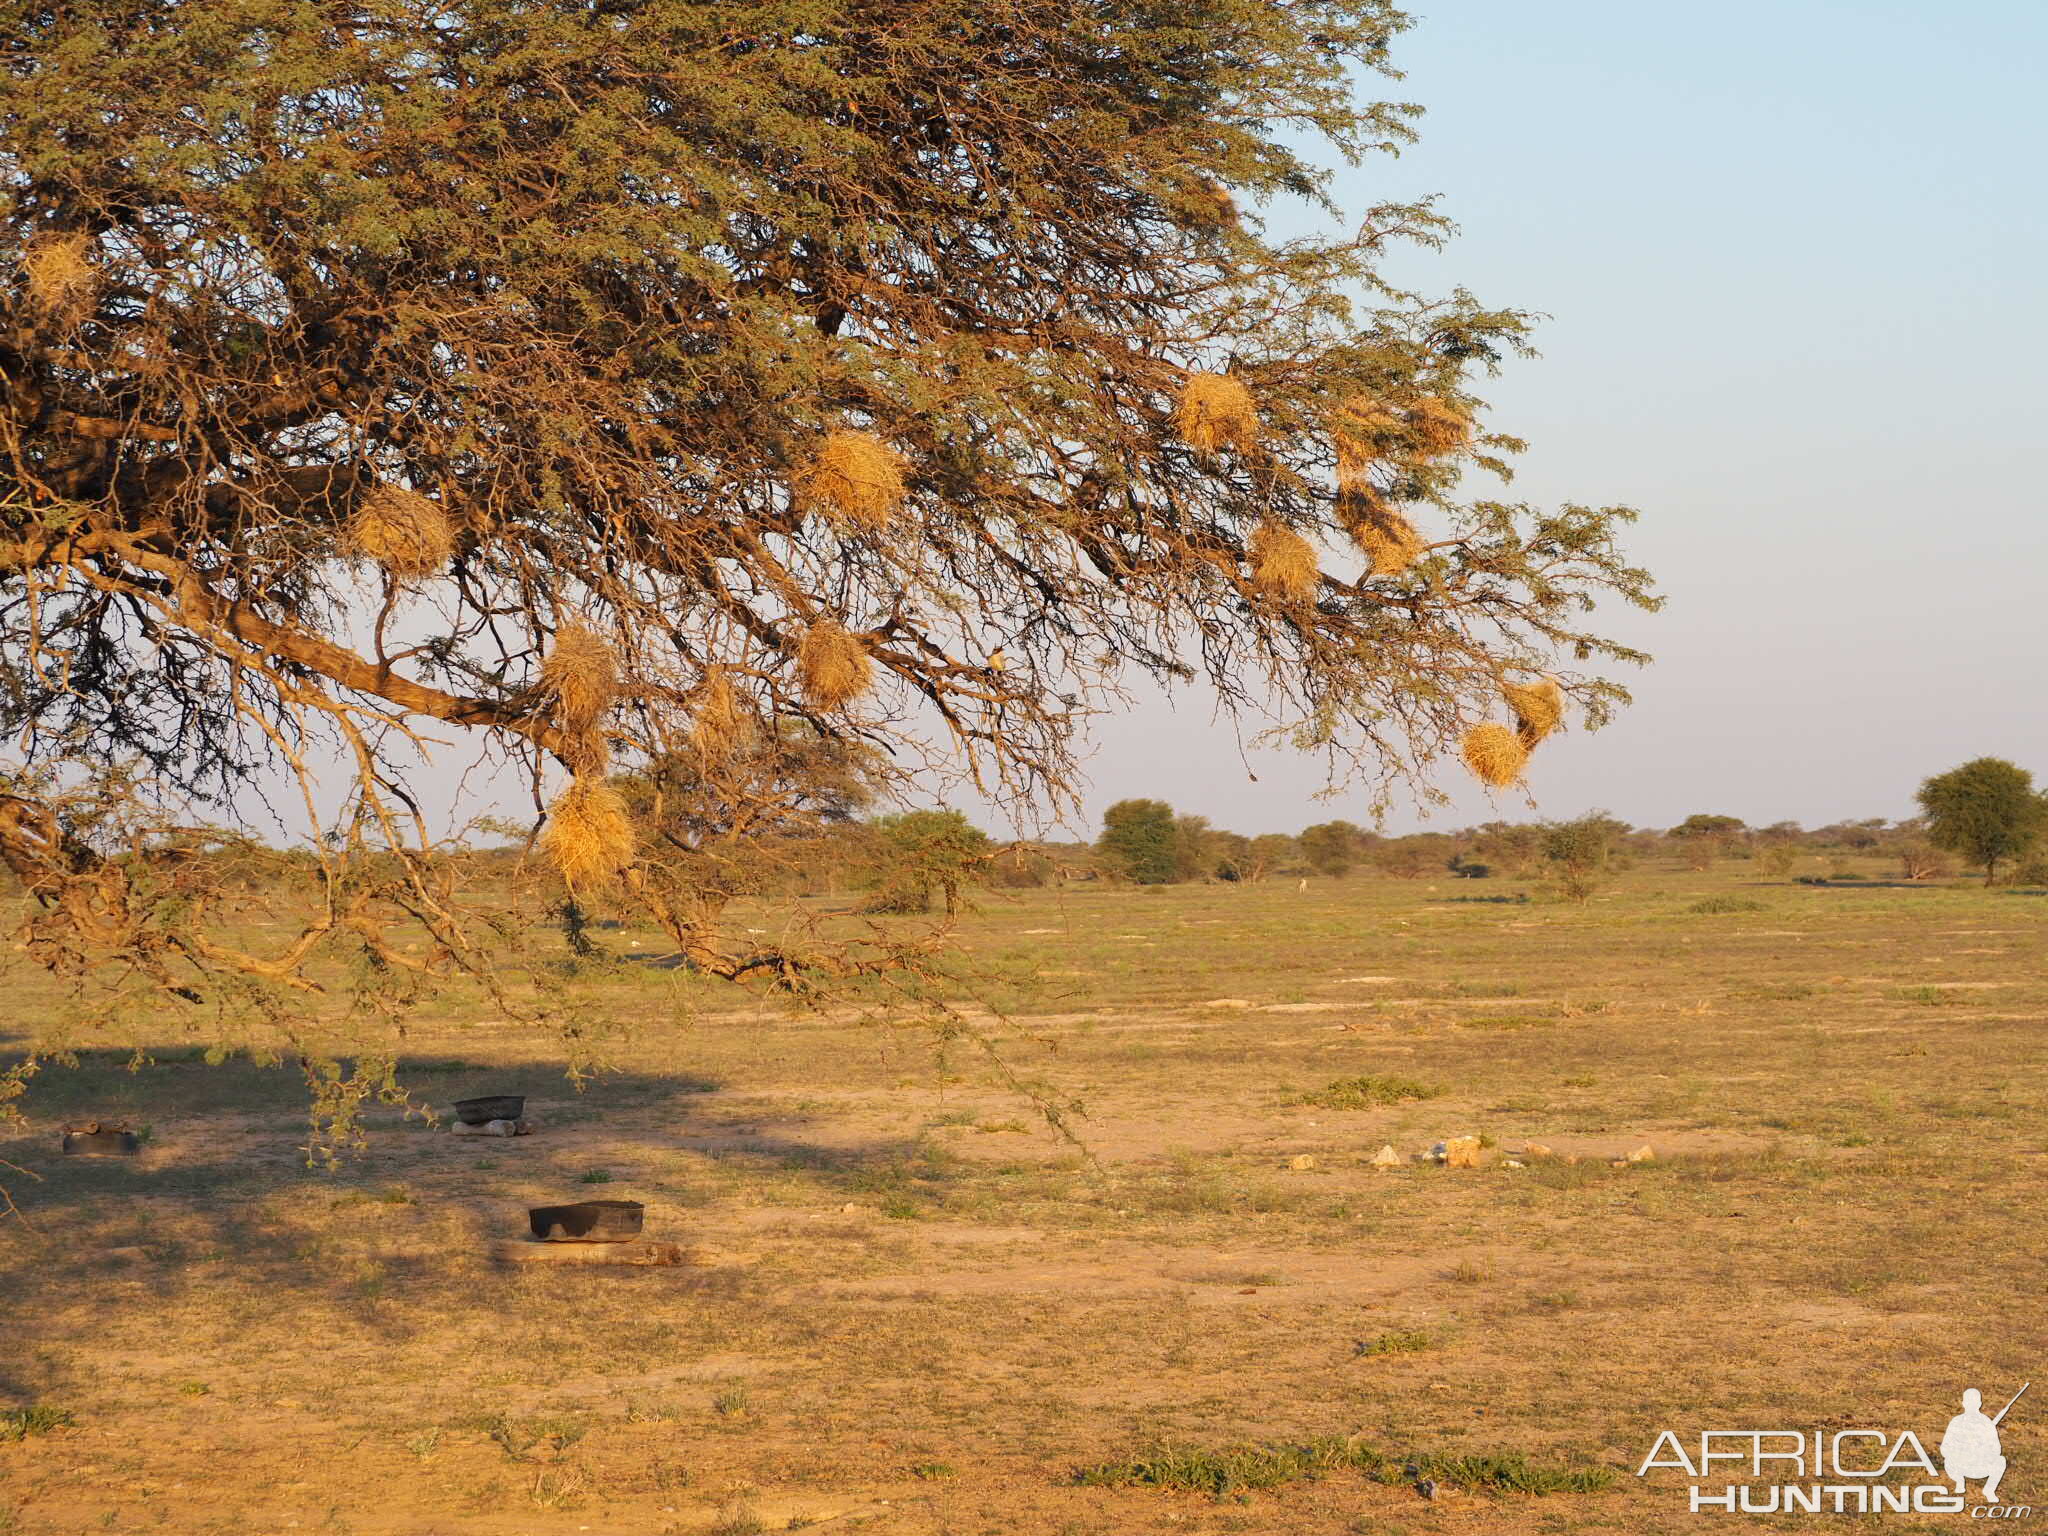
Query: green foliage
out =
(1715, 906)
(1369, 1091)
(35, 1419)
(524, 322)
(1986, 810)
(1576, 852)
(377, 355)
(1332, 847)
(1140, 842)
(1702, 825)
(924, 849)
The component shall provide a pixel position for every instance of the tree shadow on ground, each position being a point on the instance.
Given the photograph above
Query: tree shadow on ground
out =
(221, 1209)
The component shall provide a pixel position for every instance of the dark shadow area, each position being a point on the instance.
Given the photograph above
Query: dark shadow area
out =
(1821, 883)
(1480, 901)
(398, 1239)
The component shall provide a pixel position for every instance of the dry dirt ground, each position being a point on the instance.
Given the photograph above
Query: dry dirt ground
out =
(924, 1313)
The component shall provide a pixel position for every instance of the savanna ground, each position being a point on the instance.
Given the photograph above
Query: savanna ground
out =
(927, 1313)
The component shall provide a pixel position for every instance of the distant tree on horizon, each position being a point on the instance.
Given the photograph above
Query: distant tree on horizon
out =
(927, 849)
(1332, 847)
(1140, 842)
(1987, 810)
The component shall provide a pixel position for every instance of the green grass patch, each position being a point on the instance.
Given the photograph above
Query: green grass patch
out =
(1717, 906)
(1366, 1092)
(1248, 1468)
(1930, 997)
(36, 1419)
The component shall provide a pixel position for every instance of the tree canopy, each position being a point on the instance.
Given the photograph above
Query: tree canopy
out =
(623, 383)
(1986, 810)
(1141, 841)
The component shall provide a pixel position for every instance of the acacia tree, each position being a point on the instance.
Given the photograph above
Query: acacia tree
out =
(613, 383)
(1986, 810)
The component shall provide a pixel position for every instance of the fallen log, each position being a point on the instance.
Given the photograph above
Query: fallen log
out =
(526, 1250)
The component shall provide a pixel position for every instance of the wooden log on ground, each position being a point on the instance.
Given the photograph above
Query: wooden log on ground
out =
(526, 1250)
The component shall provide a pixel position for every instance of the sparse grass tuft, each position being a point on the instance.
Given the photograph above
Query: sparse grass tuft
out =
(739, 1520)
(1930, 997)
(1396, 1341)
(1253, 1467)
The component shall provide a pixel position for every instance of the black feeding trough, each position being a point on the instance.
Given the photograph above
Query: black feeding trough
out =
(498, 1106)
(98, 1138)
(590, 1221)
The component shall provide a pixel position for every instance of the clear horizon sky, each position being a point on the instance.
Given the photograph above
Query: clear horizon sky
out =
(1792, 258)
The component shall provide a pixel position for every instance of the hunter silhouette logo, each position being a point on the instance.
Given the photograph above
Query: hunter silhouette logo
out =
(1970, 1450)
(1845, 1471)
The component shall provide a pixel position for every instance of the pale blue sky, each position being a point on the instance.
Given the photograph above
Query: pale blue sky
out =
(1793, 259)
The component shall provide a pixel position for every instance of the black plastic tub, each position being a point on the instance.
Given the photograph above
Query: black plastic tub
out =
(96, 1140)
(498, 1106)
(588, 1221)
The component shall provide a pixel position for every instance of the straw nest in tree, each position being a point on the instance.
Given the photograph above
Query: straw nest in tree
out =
(404, 532)
(1359, 430)
(834, 666)
(582, 677)
(1538, 707)
(717, 723)
(1283, 561)
(1438, 427)
(1216, 412)
(1494, 754)
(1222, 205)
(589, 835)
(1389, 541)
(58, 276)
(856, 479)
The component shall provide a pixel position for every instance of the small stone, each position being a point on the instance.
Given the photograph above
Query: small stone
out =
(1386, 1157)
(849, 1209)
(1510, 1162)
(1301, 1162)
(1643, 1154)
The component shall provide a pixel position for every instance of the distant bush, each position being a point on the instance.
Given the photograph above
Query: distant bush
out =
(1577, 852)
(1140, 842)
(1777, 858)
(1366, 1092)
(1714, 906)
